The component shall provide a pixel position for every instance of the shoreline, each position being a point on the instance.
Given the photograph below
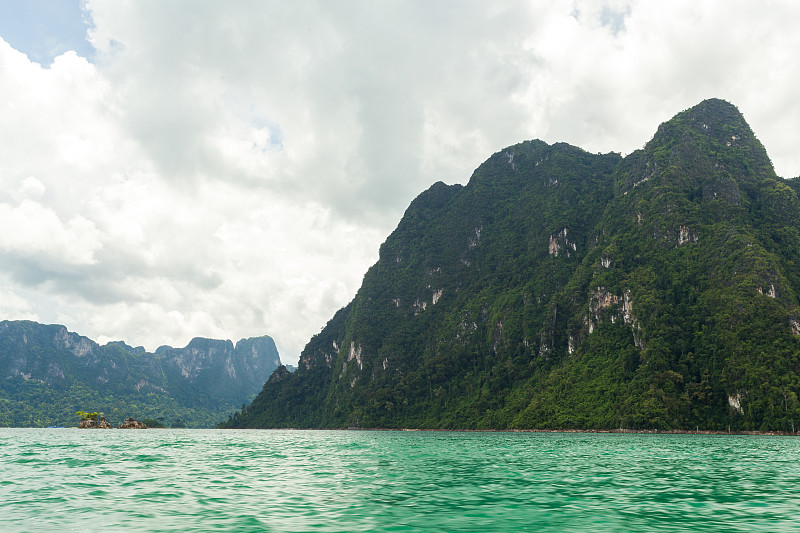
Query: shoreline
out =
(444, 430)
(616, 431)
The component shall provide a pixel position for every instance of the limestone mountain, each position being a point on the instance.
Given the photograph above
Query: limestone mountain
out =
(48, 373)
(565, 289)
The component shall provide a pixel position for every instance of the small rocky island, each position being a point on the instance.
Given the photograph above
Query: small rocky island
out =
(94, 421)
(132, 423)
(98, 421)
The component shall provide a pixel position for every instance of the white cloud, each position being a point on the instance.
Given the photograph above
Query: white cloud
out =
(14, 305)
(37, 233)
(229, 169)
(30, 188)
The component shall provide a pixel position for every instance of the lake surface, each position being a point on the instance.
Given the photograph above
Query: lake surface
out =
(213, 480)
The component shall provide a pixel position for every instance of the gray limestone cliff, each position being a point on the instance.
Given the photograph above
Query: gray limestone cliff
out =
(47, 373)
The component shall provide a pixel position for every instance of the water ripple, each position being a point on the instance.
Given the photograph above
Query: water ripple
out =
(191, 480)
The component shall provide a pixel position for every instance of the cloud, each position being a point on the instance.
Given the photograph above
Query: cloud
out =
(611, 88)
(230, 169)
(14, 305)
(43, 29)
(39, 232)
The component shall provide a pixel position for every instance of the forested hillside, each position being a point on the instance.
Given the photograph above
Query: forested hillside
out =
(563, 289)
(48, 373)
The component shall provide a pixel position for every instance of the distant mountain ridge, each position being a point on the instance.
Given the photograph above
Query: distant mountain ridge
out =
(565, 289)
(47, 373)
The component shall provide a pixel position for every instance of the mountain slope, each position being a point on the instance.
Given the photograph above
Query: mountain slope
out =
(48, 373)
(562, 289)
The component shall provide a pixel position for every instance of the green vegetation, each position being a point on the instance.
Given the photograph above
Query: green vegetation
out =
(563, 289)
(48, 373)
(152, 423)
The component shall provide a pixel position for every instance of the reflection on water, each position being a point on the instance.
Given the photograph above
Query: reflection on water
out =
(239, 480)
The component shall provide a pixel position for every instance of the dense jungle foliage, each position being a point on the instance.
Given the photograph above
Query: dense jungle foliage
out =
(563, 289)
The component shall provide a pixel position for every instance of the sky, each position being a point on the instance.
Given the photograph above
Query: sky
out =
(172, 169)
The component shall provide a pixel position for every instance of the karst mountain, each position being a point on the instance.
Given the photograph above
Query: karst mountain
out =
(565, 289)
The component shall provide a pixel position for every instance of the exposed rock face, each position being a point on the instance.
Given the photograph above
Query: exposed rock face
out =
(658, 290)
(202, 382)
(132, 423)
(90, 423)
(219, 368)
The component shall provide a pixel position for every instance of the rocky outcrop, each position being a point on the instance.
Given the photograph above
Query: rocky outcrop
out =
(132, 423)
(221, 369)
(95, 423)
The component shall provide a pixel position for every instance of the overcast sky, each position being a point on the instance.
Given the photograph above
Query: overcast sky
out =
(172, 169)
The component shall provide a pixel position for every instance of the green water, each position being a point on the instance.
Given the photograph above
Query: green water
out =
(197, 480)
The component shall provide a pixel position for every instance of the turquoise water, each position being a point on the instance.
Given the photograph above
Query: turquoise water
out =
(213, 480)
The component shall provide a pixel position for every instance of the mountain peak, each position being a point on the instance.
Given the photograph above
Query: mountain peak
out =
(564, 289)
(717, 119)
(43, 365)
(715, 109)
(713, 119)
(710, 138)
